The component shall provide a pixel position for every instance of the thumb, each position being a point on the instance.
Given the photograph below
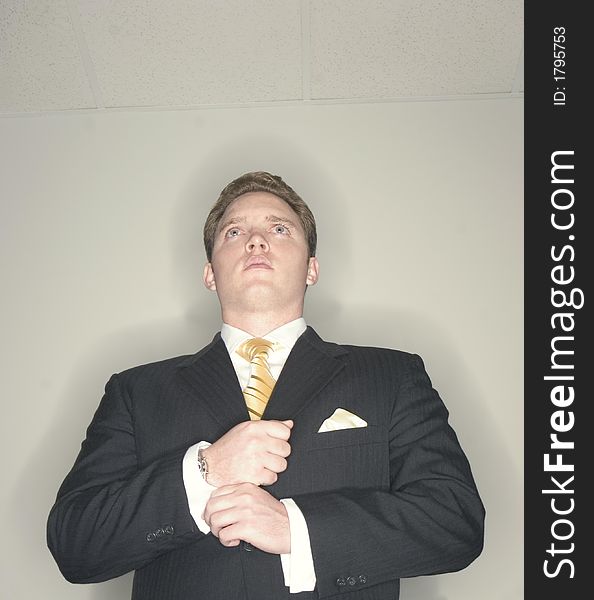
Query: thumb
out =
(289, 423)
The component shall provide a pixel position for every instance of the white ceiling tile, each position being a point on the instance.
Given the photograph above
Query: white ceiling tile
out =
(189, 52)
(390, 49)
(40, 64)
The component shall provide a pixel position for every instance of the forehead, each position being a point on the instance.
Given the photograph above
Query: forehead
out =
(256, 205)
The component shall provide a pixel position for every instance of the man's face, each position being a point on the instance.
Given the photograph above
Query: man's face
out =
(260, 259)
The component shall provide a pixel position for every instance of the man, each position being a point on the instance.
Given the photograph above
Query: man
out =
(285, 467)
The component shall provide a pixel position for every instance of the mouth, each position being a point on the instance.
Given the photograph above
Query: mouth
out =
(257, 262)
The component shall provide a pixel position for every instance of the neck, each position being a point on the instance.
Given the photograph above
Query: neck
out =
(259, 324)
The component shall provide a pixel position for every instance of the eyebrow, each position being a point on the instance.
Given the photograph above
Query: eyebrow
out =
(281, 219)
(231, 221)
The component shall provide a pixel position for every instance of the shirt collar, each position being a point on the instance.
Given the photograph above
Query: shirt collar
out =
(286, 334)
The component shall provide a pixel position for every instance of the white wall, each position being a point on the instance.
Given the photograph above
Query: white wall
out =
(419, 208)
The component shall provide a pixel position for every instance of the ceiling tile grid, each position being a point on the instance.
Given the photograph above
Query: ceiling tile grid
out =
(103, 54)
(193, 52)
(40, 62)
(387, 49)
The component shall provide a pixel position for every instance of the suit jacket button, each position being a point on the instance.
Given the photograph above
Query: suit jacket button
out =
(169, 529)
(362, 578)
(341, 582)
(150, 537)
(352, 581)
(247, 546)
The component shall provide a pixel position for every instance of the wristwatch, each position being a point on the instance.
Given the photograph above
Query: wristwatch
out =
(202, 465)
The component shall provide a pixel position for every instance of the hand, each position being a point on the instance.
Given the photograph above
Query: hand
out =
(253, 451)
(247, 512)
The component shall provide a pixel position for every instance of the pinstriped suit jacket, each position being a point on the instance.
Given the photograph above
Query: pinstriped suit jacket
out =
(394, 499)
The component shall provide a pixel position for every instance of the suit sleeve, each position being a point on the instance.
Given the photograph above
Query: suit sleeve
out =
(429, 521)
(111, 515)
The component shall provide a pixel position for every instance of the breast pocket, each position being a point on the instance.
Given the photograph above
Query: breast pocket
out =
(355, 436)
(349, 458)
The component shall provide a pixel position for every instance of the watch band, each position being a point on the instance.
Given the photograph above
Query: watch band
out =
(202, 465)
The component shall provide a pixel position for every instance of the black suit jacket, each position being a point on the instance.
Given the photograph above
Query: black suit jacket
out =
(390, 500)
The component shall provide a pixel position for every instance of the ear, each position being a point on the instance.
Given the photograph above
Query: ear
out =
(209, 278)
(313, 270)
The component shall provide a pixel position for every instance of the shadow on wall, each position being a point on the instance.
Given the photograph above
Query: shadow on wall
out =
(420, 588)
(116, 589)
(334, 322)
(332, 317)
(77, 402)
(273, 153)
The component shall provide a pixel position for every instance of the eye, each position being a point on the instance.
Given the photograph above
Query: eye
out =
(233, 232)
(280, 228)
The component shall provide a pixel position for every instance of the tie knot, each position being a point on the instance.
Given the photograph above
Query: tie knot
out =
(255, 347)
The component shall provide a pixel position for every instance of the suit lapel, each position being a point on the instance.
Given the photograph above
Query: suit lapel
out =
(209, 376)
(311, 364)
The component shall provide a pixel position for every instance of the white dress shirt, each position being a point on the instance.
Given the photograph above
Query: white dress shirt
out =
(298, 568)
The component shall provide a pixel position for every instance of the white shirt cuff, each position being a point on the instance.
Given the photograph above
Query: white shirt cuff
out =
(298, 567)
(197, 490)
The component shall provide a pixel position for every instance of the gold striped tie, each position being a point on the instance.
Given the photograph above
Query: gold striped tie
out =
(261, 382)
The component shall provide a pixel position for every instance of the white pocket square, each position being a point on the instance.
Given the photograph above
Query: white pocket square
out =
(341, 419)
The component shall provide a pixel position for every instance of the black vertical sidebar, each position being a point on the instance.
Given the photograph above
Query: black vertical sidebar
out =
(559, 348)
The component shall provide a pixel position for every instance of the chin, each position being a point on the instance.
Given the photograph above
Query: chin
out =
(262, 296)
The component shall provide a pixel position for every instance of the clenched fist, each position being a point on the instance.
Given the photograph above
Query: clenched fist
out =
(252, 451)
(249, 513)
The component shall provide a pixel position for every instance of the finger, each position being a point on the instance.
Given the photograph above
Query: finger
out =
(225, 489)
(218, 504)
(209, 510)
(274, 463)
(228, 537)
(268, 477)
(241, 530)
(219, 501)
(278, 447)
(230, 543)
(278, 429)
(223, 518)
(226, 510)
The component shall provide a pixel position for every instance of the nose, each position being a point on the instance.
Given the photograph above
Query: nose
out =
(256, 243)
